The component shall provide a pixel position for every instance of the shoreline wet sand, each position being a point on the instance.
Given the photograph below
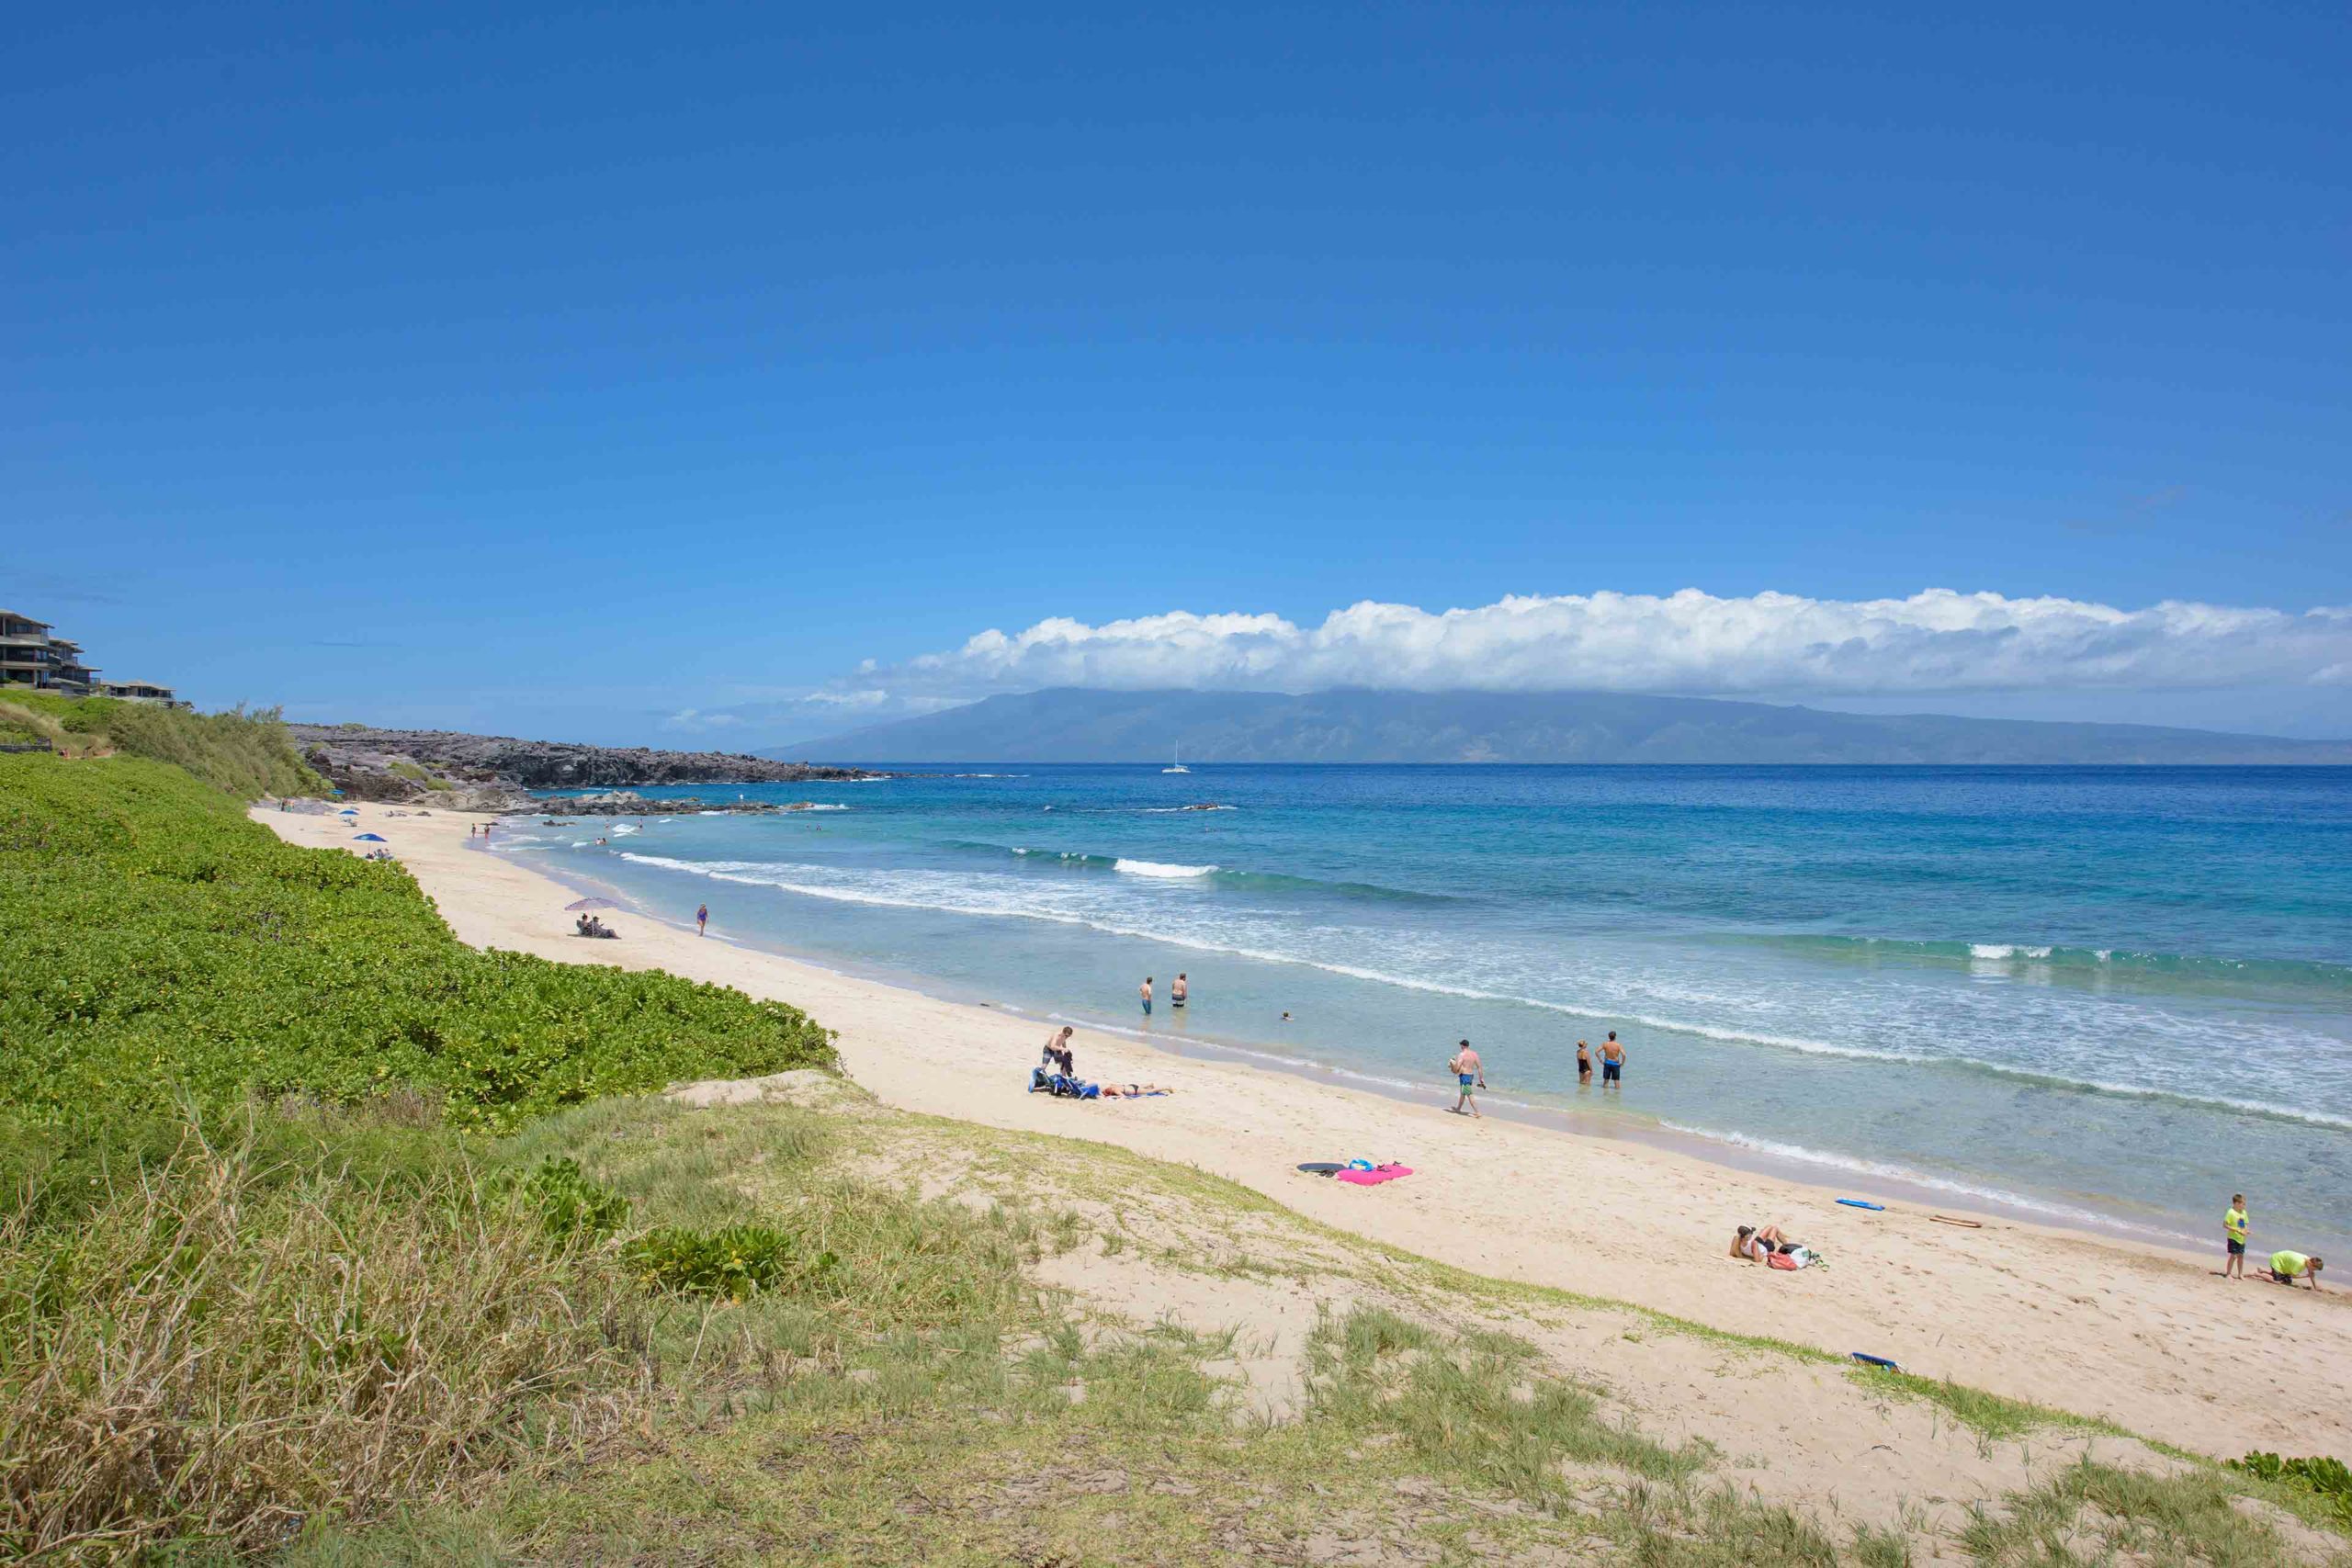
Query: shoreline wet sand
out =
(2139, 1334)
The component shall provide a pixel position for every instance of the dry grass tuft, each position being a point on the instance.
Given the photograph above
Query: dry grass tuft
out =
(221, 1352)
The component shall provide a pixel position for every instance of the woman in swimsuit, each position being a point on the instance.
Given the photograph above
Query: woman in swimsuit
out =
(1755, 1245)
(1584, 1063)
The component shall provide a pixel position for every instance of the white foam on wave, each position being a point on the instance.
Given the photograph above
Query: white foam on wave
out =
(1997, 950)
(1159, 868)
(740, 871)
(1884, 1171)
(1171, 810)
(814, 807)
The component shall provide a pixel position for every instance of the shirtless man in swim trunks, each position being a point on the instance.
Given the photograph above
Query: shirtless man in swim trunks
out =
(1179, 991)
(1468, 1073)
(1613, 1062)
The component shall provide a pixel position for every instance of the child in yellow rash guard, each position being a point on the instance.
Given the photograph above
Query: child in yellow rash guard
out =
(2234, 1226)
(2287, 1268)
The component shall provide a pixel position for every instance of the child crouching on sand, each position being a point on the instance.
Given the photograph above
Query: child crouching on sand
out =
(2286, 1268)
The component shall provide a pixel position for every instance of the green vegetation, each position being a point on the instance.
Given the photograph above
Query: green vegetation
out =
(160, 946)
(246, 754)
(256, 1330)
(736, 1262)
(415, 774)
(1988, 1414)
(2096, 1513)
(1476, 1404)
(2328, 1480)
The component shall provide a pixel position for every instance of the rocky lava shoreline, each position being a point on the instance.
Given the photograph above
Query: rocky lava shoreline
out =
(495, 772)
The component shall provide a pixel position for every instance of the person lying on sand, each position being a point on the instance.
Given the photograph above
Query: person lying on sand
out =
(2286, 1268)
(1756, 1245)
(1134, 1090)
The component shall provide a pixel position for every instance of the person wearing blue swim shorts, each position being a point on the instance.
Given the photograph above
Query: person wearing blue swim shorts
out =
(1469, 1074)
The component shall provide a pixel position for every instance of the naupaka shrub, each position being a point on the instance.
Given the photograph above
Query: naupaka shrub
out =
(155, 944)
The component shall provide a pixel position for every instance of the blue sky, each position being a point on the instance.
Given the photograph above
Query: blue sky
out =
(558, 371)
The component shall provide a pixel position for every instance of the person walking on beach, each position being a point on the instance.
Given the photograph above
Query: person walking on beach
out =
(702, 920)
(1144, 992)
(1179, 991)
(2233, 1227)
(1584, 1063)
(2286, 1268)
(1468, 1073)
(1613, 1062)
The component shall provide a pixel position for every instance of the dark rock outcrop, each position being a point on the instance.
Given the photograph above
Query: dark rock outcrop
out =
(491, 772)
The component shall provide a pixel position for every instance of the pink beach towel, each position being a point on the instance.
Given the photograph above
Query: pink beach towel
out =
(1372, 1178)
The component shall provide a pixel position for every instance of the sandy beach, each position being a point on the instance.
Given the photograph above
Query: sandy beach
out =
(2146, 1338)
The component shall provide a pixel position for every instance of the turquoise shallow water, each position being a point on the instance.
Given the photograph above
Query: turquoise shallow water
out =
(2100, 994)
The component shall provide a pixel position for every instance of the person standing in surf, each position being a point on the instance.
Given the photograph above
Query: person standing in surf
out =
(1584, 1063)
(702, 920)
(1469, 1074)
(1613, 1062)
(1178, 990)
(1144, 992)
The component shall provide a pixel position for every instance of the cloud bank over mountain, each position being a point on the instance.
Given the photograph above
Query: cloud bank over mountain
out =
(1783, 647)
(1689, 642)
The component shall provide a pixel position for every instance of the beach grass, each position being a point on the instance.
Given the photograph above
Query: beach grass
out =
(948, 1408)
(243, 753)
(940, 1406)
(1990, 1415)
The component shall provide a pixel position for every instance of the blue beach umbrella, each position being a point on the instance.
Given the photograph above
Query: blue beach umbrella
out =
(370, 839)
(348, 811)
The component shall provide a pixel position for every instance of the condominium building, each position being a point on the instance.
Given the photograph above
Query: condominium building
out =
(30, 656)
(33, 657)
(141, 692)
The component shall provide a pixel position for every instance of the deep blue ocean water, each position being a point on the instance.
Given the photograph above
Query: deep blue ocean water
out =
(2108, 994)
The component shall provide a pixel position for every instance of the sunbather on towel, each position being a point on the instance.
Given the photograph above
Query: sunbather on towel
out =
(1756, 1245)
(1134, 1090)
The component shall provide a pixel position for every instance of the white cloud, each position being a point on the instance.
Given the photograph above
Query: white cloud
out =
(694, 719)
(1767, 644)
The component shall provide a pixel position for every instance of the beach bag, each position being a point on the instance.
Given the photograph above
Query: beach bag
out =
(1781, 1260)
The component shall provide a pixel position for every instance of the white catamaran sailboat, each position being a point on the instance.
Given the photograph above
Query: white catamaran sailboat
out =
(1176, 765)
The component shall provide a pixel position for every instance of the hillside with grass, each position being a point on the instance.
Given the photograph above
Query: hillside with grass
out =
(246, 754)
(327, 1240)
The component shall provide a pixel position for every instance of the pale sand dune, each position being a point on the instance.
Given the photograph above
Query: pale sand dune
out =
(2146, 1338)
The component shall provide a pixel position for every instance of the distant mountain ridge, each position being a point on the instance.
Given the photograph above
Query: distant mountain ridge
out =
(1074, 725)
